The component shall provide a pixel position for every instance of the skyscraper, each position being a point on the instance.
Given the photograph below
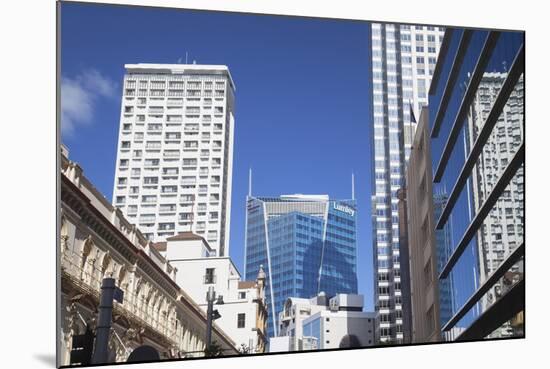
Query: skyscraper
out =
(307, 245)
(175, 151)
(403, 60)
(477, 145)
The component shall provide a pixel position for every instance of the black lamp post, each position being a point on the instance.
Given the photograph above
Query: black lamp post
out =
(211, 314)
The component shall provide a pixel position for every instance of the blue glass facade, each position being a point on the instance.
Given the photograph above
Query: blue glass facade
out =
(477, 132)
(305, 246)
(444, 242)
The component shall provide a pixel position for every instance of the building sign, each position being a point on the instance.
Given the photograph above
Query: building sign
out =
(343, 208)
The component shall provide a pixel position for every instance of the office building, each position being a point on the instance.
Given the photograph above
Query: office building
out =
(307, 245)
(241, 304)
(97, 242)
(321, 323)
(175, 151)
(502, 229)
(477, 146)
(403, 61)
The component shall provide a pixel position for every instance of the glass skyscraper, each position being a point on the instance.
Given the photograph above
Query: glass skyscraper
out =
(476, 115)
(306, 244)
(403, 61)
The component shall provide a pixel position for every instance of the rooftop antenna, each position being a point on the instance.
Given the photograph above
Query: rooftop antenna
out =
(249, 182)
(352, 186)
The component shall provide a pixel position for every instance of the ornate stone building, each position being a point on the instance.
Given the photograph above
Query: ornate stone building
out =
(96, 241)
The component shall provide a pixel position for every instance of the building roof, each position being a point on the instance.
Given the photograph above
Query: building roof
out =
(159, 246)
(247, 284)
(149, 68)
(186, 236)
(302, 197)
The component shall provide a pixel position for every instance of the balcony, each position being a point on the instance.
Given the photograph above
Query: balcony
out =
(171, 154)
(174, 119)
(156, 111)
(187, 198)
(191, 128)
(175, 102)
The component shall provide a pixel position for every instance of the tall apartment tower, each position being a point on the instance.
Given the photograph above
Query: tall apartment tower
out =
(306, 244)
(175, 151)
(403, 60)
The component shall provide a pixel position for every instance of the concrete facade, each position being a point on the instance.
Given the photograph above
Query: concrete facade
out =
(421, 238)
(175, 151)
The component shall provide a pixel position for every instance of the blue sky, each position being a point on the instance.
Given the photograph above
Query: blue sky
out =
(302, 110)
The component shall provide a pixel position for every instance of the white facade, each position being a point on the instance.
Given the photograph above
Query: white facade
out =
(403, 60)
(319, 323)
(175, 151)
(243, 301)
(334, 326)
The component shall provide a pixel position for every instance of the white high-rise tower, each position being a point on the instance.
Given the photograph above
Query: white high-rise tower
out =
(403, 60)
(175, 151)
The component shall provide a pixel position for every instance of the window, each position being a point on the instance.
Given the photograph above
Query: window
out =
(166, 226)
(428, 274)
(241, 320)
(242, 295)
(150, 180)
(209, 276)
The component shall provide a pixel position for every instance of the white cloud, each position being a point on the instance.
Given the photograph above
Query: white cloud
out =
(79, 97)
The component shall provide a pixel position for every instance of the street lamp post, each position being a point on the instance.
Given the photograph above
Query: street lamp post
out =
(211, 314)
(210, 297)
